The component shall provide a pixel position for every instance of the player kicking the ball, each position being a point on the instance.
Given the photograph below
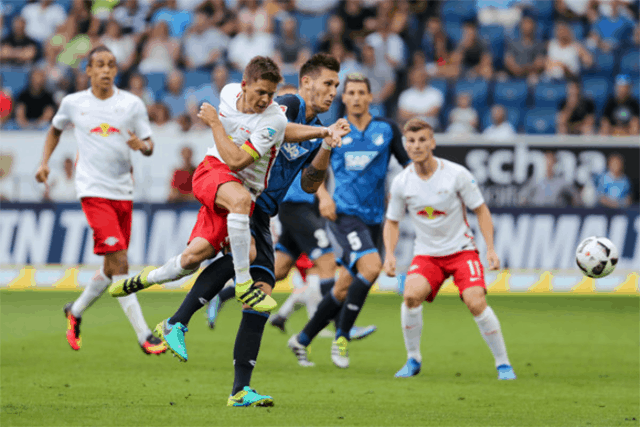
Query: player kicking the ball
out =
(109, 123)
(436, 193)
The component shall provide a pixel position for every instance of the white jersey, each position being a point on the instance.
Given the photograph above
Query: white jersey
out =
(437, 207)
(101, 129)
(260, 135)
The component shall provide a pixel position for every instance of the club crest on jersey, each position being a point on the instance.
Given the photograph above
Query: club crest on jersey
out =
(346, 141)
(292, 151)
(431, 213)
(358, 160)
(104, 130)
(378, 139)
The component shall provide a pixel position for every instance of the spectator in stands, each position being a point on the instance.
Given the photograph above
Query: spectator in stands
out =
(7, 184)
(6, 116)
(18, 48)
(138, 87)
(382, 79)
(159, 52)
(613, 187)
(131, 15)
(609, 32)
(473, 53)
(174, 95)
(552, 190)
(123, 47)
(35, 106)
(61, 187)
(420, 99)
(160, 118)
(432, 34)
(291, 50)
(463, 120)
(178, 19)
(219, 15)
(184, 121)
(358, 18)
(58, 74)
(81, 81)
(524, 57)
(335, 34)
(498, 12)
(249, 42)
(398, 14)
(211, 92)
(181, 190)
(315, 7)
(565, 56)
(500, 129)
(203, 46)
(388, 46)
(42, 18)
(572, 10)
(287, 90)
(621, 114)
(577, 113)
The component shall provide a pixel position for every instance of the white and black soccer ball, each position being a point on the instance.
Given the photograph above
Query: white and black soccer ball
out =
(597, 257)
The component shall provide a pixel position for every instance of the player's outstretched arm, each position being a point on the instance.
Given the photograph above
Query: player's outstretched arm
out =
(50, 144)
(390, 235)
(486, 228)
(235, 157)
(296, 132)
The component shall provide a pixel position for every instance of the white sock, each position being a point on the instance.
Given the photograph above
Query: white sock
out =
(131, 308)
(240, 241)
(411, 320)
(312, 295)
(289, 305)
(490, 329)
(170, 271)
(92, 292)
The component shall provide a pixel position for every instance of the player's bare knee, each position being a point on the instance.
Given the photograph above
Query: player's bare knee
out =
(253, 252)
(412, 300)
(191, 260)
(241, 204)
(372, 269)
(476, 304)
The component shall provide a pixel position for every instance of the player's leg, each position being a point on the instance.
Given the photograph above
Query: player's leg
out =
(468, 275)
(286, 255)
(416, 291)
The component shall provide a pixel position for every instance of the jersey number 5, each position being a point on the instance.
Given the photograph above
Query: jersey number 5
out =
(354, 240)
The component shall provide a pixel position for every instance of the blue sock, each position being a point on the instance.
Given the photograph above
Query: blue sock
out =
(247, 346)
(327, 310)
(356, 296)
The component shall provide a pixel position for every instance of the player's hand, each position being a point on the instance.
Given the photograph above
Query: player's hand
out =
(494, 261)
(208, 114)
(136, 143)
(43, 173)
(327, 208)
(340, 128)
(389, 266)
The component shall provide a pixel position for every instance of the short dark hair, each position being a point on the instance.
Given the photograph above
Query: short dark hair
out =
(317, 62)
(357, 78)
(262, 68)
(97, 49)
(415, 125)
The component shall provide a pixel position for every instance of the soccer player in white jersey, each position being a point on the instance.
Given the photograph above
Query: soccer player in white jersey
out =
(437, 193)
(248, 133)
(108, 123)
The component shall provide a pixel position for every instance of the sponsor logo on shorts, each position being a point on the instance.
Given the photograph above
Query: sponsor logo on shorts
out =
(110, 241)
(413, 267)
(431, 213)
(104, 130)
(474, 279)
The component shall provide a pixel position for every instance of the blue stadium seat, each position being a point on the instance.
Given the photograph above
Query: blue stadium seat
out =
(511, 93)
(540, 121)
(291, 79)
(598, 89)
(578, 30)
(155, 82)
(514, 115)
(549, 94)
(635, 88)
(458, 11)
(604, 65)
(630, 63)
(235, 76)
(15, 79)
(479, 90)
(196, 79)
(494, 36)
(443, 87)
(311, 27)
(544, 9)
(454, 32)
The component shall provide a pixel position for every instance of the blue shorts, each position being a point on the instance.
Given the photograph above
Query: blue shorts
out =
(356, 239)
(303, 231)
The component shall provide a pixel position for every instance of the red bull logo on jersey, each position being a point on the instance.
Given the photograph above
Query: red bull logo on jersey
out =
(104, 130)
(431, 213)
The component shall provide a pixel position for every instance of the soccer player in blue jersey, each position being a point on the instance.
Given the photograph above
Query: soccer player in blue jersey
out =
(356, 210)
(318, 87)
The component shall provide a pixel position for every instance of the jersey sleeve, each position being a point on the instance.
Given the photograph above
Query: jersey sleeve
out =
(468, 189)
(63, 115)
(397, 206)
(141, 125)
(269, 130)
(397, 148)
(290, 104)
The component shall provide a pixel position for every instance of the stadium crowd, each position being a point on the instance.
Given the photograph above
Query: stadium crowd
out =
(497, 67)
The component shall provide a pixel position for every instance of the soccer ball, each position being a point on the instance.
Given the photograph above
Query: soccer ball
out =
(597, 257)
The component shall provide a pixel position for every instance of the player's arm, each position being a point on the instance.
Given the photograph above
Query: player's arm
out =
(397, 147)
(141, 127)
(145, 146)
(486, 228)
(297, 132)
(50, 143)
(391, 230)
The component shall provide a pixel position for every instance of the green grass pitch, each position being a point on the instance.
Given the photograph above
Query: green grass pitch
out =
(576, 357)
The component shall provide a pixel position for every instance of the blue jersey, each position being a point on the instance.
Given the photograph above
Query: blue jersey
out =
(360, 169)
(291, 159)
(296, 194)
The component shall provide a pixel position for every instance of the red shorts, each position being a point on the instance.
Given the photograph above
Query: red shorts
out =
(303, 264)
(465, 267)
(110, 221)
(211, 224)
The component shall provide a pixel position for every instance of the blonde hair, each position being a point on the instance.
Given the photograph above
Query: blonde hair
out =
(415, 125)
